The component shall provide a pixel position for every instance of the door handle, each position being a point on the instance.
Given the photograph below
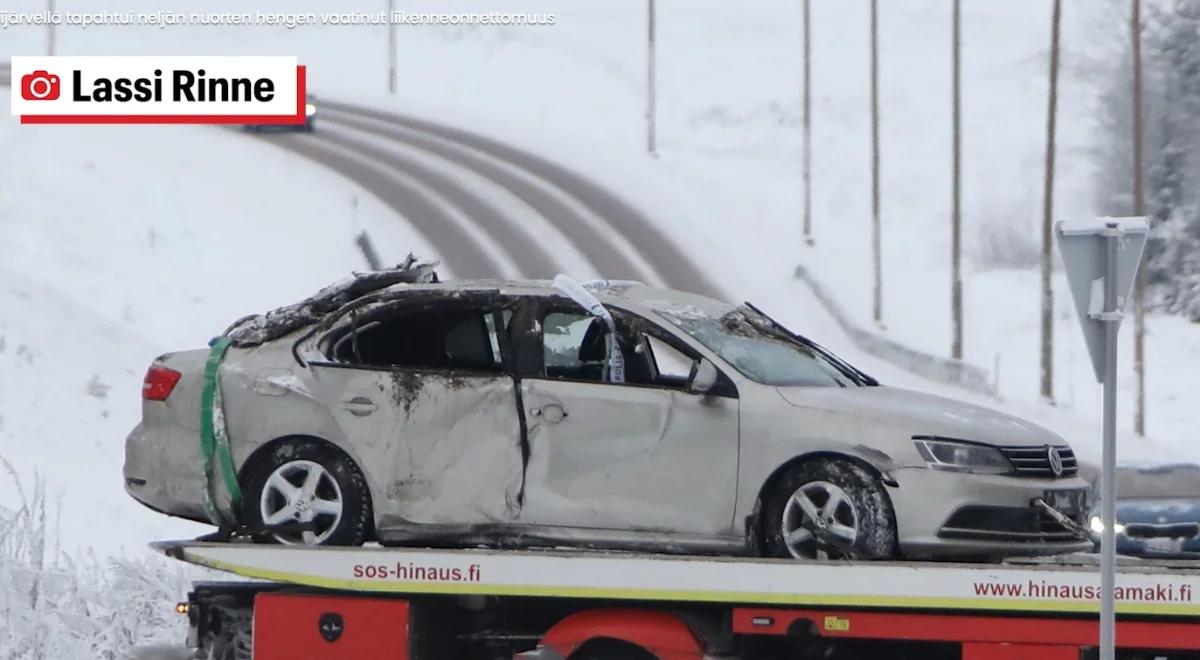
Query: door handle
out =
(551, 412)
(360, 406)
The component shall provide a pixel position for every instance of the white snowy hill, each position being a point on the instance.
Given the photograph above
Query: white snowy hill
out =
(119, 243)
(126, 242)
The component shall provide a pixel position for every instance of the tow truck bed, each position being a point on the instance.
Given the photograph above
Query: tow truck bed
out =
(975, 608)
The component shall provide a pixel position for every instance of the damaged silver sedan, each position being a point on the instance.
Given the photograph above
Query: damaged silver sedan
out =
(606, 414)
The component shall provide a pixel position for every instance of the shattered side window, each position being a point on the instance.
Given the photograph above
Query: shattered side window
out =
(573, 346)
(462, 339)
(670, 365)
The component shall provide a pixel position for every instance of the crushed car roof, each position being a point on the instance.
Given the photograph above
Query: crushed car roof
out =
(415, 275)
(256, 329)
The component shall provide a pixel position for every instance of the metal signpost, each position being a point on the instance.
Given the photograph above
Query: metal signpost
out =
(1101, 258)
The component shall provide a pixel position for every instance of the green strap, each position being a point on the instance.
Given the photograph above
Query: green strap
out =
(221, 507)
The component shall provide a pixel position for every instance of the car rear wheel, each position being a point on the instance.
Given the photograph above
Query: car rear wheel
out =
(828, 508)
(302, 492)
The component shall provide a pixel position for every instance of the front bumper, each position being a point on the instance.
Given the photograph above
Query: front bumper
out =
(941, 514)
(1156, 541)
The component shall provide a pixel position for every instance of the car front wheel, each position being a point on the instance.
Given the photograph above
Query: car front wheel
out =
(305, 493)
(828, 508)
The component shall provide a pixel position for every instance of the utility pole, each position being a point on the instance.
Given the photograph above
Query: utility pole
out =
(808, 238)
(876, 246)
(956, 301)
(1047, 216)
(650, 83)
(391, 48)
(50, 28)
(1139, 209)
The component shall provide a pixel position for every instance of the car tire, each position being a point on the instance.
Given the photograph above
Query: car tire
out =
(298, 481)
(846, 497)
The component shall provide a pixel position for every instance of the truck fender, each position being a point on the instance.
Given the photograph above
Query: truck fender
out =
(663, 634)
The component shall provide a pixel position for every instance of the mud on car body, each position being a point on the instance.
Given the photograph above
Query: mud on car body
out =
(609, 414)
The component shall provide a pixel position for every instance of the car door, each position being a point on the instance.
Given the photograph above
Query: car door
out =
(421, 394)
(645, 454)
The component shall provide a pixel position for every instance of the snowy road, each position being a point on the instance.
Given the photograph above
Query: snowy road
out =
(434, 176)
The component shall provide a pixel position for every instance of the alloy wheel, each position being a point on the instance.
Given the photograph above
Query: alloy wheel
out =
(819, 522)
(302, 492)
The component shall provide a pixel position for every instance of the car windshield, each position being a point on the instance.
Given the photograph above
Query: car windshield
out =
(759, 349)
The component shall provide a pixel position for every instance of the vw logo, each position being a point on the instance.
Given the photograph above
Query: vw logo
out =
(1056, 464)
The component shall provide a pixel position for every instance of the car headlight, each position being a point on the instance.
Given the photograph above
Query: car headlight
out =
(309, 109)
(962, 456)
(1097, 526)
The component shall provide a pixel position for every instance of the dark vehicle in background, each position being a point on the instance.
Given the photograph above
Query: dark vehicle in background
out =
(1158, 512)
(310, 118)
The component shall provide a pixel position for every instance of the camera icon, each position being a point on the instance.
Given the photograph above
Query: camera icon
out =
(40, 86)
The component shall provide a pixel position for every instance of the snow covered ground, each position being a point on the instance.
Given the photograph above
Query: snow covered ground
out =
(117, 244)
(146, 252)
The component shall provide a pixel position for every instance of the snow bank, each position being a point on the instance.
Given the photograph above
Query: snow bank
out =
(56, 604)
(167, 233)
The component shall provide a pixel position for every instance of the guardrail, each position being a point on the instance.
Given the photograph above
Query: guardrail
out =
(933, 367)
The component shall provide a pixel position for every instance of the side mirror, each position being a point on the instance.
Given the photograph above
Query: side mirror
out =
(704, 376)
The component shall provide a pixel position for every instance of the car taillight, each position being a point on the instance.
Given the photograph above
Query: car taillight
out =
(159, 382)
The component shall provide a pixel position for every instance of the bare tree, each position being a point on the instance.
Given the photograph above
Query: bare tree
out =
(650, 83)
(956, 301)
(1139, 209)
(1048, 215)
(876, 245)
(807, 127)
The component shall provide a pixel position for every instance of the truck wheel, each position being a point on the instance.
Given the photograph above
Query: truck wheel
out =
(310, 493)
(611, 649)
(828, 508)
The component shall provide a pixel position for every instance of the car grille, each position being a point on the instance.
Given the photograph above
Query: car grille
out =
(1162, 530)
(1035, 461)
(1001, 523)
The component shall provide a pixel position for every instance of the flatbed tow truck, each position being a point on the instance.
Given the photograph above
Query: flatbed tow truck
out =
(301, 603)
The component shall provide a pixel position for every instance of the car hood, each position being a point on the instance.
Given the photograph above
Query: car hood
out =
(918, 413)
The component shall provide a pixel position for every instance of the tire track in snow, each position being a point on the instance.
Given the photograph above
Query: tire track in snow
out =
(554, 206)
(424, 214)
(508, 234)
(650, 243)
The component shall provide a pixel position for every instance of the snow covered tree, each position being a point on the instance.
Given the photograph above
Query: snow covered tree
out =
(1171, 88)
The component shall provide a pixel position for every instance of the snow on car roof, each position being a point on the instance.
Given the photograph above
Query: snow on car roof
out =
(646, 295)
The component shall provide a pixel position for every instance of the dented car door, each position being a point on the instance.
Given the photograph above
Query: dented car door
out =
(645, 454)
(421, 394)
